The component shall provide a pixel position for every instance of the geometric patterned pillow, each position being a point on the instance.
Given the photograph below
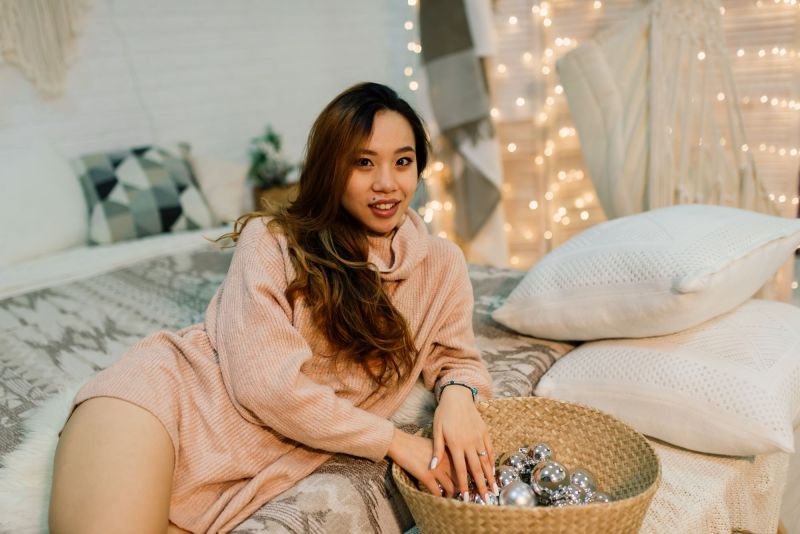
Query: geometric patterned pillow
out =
(141, 191)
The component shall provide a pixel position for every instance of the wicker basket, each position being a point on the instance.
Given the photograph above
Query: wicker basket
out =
(625, 465)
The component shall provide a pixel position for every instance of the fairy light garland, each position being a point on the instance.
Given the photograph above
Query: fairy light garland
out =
(545, 116)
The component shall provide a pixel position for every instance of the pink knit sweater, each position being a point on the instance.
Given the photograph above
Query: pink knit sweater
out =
(251, 403)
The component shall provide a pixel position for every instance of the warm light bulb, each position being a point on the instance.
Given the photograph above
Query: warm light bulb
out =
(547, 22)
(548, 235)
(494, 113)
(539, 160)
(412, 2)
(762, 53)
(720, 96)
(512, 147)
(548, 195)
(514, 260)
(408, 25)
(782, 199)
(545, 70)
(501, 68)
(558, 89)
(512, 20)
(548, 52)
(701, 55)
(597, 4)
(745, 148)
(584, 215)
(549, 100)
(520, 101)
(413, 85)
(408, 71)
(740, 52)
(438, 166)
(527, 57)
(533, 204)
(448, 206)
(579, 203)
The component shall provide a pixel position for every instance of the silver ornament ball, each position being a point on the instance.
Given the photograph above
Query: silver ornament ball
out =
(583, 479)
(506, 475)
(516, 460)
(518, 494)
(550, 475)
(541, 452)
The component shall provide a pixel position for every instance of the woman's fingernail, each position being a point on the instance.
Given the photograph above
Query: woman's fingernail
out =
(434, 462)
(486, 498)
(465, 496)
(496, 490)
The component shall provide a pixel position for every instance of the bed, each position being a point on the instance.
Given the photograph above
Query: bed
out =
(61, 320)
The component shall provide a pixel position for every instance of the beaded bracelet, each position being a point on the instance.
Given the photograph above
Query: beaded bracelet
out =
(472, 389)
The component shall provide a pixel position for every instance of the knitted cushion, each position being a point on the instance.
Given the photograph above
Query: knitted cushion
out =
(650, 274)
(140, 192)
(728, 386)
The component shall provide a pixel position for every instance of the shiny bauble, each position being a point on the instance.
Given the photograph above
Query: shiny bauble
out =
(546, 478)
(517, 494)
(541, 452)
(515, 460)
(599, 496)
(568, 495)
(583, 479)
(490, 500)
(506, 475)
(550, 475)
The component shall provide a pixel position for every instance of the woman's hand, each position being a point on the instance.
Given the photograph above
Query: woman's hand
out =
(413, 453)
(458, 426)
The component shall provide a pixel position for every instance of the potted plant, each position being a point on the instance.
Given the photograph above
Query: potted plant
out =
(270, 174)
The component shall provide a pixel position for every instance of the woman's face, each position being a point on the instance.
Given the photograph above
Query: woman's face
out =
(384, 175)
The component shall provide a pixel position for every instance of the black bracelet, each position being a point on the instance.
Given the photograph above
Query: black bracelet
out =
(472, 390)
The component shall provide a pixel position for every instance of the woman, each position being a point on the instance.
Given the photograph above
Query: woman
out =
(327, 317)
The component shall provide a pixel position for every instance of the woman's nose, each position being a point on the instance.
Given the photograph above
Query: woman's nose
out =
(385, 180)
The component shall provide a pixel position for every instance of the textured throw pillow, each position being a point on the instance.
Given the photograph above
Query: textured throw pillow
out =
(140, 192)
(728, 386)
(42, 209)
(650, 274)
(223, 184)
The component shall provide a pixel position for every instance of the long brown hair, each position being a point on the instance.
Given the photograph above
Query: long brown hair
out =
(329, 248)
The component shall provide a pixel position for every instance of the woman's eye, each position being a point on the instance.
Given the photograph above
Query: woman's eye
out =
(405, 162)
(363, 162)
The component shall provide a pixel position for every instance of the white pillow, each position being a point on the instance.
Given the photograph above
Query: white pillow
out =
(728, 386)
(650, 274)
(42, 206)
(223, 185)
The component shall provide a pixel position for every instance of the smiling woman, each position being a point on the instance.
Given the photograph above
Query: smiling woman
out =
(329, 314)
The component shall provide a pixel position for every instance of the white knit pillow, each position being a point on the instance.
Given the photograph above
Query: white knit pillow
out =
(728, 386)
(650, 274)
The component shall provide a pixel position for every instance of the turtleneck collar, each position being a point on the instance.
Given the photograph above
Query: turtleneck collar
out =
(397, 254)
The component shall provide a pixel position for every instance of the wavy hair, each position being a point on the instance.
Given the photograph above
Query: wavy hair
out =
(329, 248)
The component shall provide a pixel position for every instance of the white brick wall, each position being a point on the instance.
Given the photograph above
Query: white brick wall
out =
(211, 73)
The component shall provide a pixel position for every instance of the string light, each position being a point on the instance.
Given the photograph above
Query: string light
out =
(533, 204)
(512, 147)
(413, 85)
(408, 25)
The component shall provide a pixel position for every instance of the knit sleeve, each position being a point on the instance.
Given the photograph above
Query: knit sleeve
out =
(261, 354)
(455, 355)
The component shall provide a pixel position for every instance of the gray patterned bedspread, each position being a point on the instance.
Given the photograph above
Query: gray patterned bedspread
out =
(54, 337)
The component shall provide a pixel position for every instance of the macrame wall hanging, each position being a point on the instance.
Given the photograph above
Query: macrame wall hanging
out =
(38, 36)
(655, 107)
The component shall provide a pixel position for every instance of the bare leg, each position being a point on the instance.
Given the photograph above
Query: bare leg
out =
(113, 471)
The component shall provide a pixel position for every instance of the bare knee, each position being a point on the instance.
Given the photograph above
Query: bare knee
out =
(112, 471)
